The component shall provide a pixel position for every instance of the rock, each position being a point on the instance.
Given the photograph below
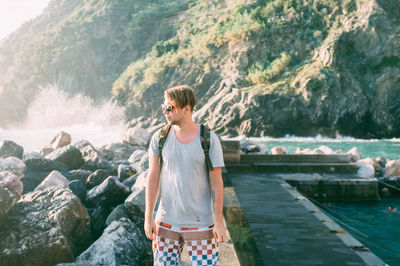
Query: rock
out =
(46, 150)
(129, 182)
(7, 200)
(68, 155)
(144, 163)
(98, 217)
(125, 171)
(32, 155)
(55, 178)
(45, 227)
(97, 177)
(82, 175)
(93, 158)
(263, 148)
(116, 214)
(278, 150)
(60, 140)
(392, 168)
(370, 161)
(305, 151)
(117, 151)
(122, 243)
(109, 193)
(244, 142)
(9, 148)
(324, 150)
(137, 136)
(137, 198)
(43, 165)
(79, 189)
(355, 154)
(366, 170)
(12, 182)
(252, 148)
(14, 165)
(137, 155)
(32, 179)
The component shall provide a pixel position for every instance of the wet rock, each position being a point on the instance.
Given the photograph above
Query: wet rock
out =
(122, 243)
(14, 165)
(12, 182)
(116, 214)
(79, 189)
(69, 155)
(278, 150)
(93, 158)
(126, 170)
(97, 177)
(55, 178)
(8, 200)
(60, 140)
(110, 193)
(45, 227)
(117, 151)
(355, 155)
(137, 136)
(392, 168)
(9, 148)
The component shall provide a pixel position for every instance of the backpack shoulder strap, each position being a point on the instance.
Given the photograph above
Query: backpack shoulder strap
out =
(205, 144)
(162, 138)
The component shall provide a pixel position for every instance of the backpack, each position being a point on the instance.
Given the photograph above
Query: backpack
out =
(205, 143)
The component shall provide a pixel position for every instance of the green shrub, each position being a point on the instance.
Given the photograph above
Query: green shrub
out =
(349, 5)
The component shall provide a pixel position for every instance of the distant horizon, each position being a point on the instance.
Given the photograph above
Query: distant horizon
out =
(14, 13)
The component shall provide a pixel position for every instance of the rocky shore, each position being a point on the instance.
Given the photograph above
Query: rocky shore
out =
(76, 204)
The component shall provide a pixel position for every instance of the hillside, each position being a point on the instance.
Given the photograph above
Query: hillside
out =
(271, 67)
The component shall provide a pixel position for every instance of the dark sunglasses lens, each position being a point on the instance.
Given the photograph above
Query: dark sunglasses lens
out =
(167, 108)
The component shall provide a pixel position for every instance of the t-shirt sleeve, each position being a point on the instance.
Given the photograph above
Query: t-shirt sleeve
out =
(216, 154)
(154, 148)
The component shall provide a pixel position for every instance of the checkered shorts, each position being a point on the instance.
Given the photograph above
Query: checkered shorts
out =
(200, 243)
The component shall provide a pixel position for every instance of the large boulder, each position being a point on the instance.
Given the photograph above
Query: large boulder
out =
(116, 214)
(14, 165)
(110, 193)
(78, 188)
(44, 165)
(81, 174)
(392, 168)
(117, 151)
(68, 155)
(355, 155)
(97, 177)
(9, 148)
(45, 227)
(324, 150)
(55, 178)
(12, 182)
(93, 158)
(138, 193)
(366, 170)
(122, 243)
(60, 140)
(278, 150)
(126, 170)
(7, 201)
(137, 136)
(137, 155)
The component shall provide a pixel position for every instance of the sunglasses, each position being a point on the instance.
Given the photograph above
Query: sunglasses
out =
(167, 107)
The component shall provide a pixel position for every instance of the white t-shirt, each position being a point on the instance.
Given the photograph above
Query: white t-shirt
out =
(185, 184)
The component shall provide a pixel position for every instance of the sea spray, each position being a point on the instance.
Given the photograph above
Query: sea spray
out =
(53, 111)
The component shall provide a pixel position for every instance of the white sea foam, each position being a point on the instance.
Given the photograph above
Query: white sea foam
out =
(54, 110)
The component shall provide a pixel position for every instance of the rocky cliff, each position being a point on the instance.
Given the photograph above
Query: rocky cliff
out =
(267, 67)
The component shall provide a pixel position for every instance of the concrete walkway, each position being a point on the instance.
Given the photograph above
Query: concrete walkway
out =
(289, 230)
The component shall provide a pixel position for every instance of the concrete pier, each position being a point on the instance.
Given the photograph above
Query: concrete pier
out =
(287, 229)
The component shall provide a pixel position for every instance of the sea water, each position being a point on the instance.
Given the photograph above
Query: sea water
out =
(370, 223)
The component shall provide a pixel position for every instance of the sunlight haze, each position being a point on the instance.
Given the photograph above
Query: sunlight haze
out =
(13, 13)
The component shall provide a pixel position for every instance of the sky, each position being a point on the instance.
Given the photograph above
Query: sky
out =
(13, 13)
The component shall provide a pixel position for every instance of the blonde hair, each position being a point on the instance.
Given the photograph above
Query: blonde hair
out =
(181, 96)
